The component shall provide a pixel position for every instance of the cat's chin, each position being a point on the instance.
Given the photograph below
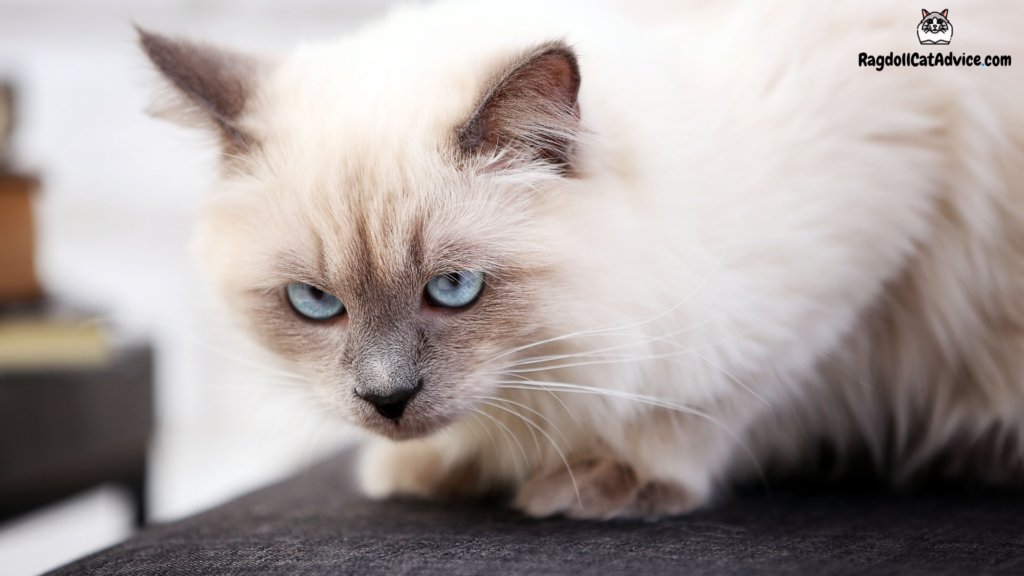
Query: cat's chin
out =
(405, 429)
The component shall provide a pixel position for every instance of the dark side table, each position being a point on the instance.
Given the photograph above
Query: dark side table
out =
(63, 430)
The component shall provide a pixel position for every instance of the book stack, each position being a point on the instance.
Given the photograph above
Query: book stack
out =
(75, 402)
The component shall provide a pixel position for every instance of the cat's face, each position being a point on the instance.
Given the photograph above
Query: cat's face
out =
(374, 246)
(934, 22)
(396, 266)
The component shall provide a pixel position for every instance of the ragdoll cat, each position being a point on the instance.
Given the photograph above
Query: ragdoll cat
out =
(614, 261)
(934, 28)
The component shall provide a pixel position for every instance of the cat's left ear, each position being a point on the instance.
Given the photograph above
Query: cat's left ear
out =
(945, 13)
(530, 113)
(211, 86)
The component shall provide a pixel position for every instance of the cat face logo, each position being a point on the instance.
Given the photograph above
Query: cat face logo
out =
(934, 28)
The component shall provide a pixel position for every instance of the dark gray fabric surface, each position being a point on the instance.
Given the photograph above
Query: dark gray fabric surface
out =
(315, 523)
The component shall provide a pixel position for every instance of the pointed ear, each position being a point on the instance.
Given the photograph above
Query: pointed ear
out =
(530, 112)
(945, 12)
(924, 13)
(211, 85)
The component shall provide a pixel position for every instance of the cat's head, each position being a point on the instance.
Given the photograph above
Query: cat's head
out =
(934, 22)
(378, 221)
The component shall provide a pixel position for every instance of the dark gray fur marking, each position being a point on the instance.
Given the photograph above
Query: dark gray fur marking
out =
(530, 109)
(217, 81)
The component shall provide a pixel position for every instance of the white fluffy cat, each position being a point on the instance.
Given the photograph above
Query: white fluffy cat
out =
(614, 260)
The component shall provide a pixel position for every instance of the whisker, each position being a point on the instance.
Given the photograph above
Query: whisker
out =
(587, 332)
(506, 400)
(553, 395)
(642, 359)
(577, 388)
(473, 428)
(474, 412)
(646, 339)
(533, 435)
(565, 461)
(508, 433)
(652, 401)
(591, 363)
(513, 371)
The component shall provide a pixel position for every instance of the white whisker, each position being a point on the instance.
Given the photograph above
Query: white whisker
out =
(549, 422)
(644, 399)
(553, 395)
(508, 433)
(474, 412)
(536, 443)
(565, 461)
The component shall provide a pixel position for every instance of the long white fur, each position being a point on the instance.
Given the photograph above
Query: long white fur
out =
(748, 197)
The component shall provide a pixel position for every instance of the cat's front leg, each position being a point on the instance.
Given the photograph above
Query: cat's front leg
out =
(667, 464)
(602, 488)
(425, 468)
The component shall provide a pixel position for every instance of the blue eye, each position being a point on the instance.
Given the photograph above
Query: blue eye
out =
(455, 289)
(312, 302)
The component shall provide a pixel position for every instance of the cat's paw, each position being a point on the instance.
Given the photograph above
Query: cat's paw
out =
(597, 488)
(414, 468)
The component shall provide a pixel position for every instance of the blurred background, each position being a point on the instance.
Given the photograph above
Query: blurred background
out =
(124, 397)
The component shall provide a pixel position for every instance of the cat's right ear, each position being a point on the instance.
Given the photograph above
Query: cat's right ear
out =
(210, 86)
(530, 113)
(924, 13)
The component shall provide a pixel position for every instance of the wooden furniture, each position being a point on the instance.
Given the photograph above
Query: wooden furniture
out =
(17, 239)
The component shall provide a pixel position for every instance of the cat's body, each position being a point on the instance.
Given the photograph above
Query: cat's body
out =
(731, 245)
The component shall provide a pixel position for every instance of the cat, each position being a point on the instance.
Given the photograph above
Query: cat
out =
(613, 260)
(934, 28)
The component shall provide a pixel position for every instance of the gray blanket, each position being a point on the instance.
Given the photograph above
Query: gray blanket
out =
(315, 523)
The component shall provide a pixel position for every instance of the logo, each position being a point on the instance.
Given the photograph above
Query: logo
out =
(934, 28)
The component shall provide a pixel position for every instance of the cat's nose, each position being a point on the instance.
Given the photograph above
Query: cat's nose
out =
(392, 404)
